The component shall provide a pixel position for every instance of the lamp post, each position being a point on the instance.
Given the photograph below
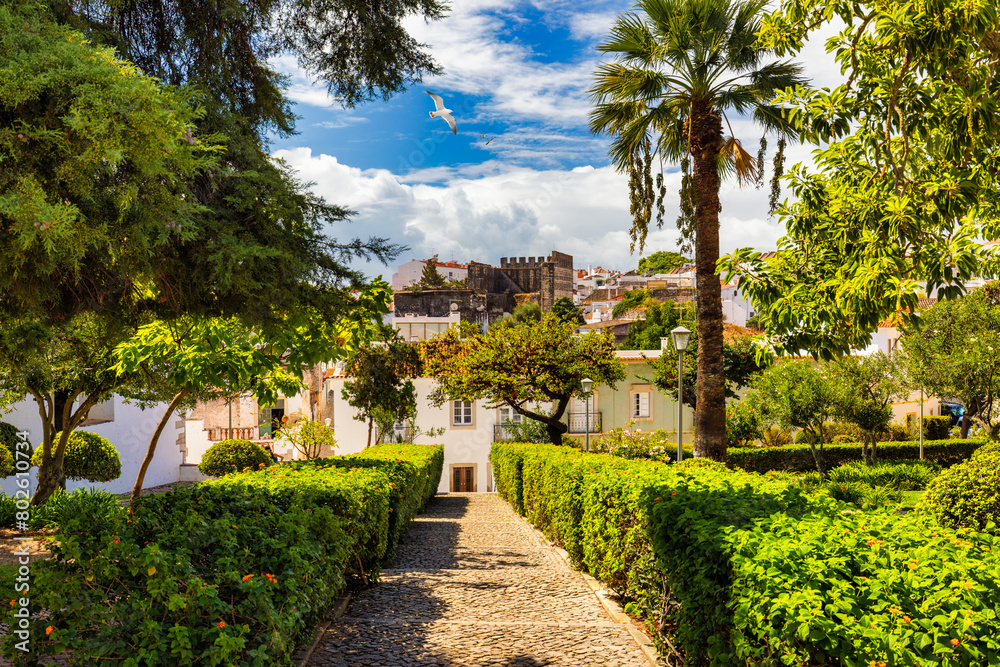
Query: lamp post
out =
(680, 336)
(587, 385)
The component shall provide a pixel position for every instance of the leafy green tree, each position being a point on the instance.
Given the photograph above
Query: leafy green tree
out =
(906, 180)
(202, 358)
(866, 388)
(566, 311)
(381, 386)
(680, 66)
(742, 359)
(662, 261)
(632, 299)
(67, 370)
(521, 366)
(430, 276)
(526, 313)
(954, 351)
(660, 320)
(796, 393)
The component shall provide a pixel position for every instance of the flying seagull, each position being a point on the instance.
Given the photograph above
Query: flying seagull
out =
(441, 112)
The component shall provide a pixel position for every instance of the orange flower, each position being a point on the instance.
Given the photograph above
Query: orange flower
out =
(955, 642)
(221, 624)
(247, 578)
(48, 630)
(906, 619)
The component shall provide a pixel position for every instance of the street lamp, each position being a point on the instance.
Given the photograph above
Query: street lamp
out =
(680, 336)
(587, 385)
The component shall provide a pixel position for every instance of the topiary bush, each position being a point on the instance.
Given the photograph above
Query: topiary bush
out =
(88, 456)
(936, 428)
(9, 438)
(968, 494)
(229, 456)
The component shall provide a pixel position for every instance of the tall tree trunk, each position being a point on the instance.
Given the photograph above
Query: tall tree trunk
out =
(369, 434)
(137, 489)
(710, 415)
(59, 400)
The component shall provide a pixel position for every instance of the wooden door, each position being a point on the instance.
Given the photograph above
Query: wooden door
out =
(462, 480)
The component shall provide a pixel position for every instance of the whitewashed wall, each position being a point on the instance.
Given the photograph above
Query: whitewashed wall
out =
(462, 445)
(129, 433)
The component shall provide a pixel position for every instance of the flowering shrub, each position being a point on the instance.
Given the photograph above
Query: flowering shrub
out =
(230, 456)
(634, 443)
(235, 571)
(742, 425)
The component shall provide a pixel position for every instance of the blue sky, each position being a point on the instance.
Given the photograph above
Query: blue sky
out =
(523, 176)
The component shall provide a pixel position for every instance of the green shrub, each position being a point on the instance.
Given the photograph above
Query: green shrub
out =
(231, 456)
(968, 494)
(8, 511)
(6, 463)
(711, 558)
(899, 475)
(861, 494)
(10, 438)
(799, 457)
(936, 427)
(897, 433)
(862, 588)
(634, 443)
(88, 456)
(742, 425)
(833, 431)
(235, 571)
(987, 450)
(529, 430)
(776, 436)
(99, 507)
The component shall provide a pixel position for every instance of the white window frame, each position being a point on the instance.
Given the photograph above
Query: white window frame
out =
(509, 416)
(467, 415)
(636, 407)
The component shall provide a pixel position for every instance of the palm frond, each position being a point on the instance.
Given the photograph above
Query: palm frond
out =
(738, 161)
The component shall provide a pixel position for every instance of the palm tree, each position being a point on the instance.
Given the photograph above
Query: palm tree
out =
(679, 66)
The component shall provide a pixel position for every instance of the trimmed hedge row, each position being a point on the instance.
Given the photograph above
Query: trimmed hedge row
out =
(708, 558)
(798, 458)
(233, 571)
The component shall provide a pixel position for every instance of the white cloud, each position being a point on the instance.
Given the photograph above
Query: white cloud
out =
(478, 214)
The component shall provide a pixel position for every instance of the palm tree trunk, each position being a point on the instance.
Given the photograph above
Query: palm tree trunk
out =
(710, 415)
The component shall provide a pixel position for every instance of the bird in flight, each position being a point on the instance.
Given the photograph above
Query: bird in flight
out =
(441, 112)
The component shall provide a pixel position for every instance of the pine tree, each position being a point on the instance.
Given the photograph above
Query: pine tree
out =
(430, 277)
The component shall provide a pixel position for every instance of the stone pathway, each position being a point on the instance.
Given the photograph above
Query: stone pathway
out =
(472, 584)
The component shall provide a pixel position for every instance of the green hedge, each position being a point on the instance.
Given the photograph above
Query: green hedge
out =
(235, 571)
(230, 456)
(88, 456)
(798, 458)
(712, 539)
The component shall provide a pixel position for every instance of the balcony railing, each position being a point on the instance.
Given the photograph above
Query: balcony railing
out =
(217, 433)
(405, 434)
(578, 422)
(502, 432)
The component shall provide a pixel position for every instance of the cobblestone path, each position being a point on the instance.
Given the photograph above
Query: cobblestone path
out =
(472, 584)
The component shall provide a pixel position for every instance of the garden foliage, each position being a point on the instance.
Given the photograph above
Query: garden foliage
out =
(968, 494)
(6, 462)
(235, 571)
(229, 456)
(799, 457)
(9, 439)
(88, 456)
(713, 561)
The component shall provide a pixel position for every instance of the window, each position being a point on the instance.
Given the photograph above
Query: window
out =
(640, 404)
(508, 416)
(461, 413)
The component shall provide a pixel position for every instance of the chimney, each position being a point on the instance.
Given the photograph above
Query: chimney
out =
(665, 343)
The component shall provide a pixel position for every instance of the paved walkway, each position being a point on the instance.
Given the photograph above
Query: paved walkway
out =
(472, 584)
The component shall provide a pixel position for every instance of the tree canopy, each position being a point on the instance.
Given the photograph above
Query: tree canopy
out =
(567, 311)
(380, 385)
(662, 261)
(525, 366)
(660, 320)
(680, 66)
(742, 359)
(954, 352)
(866, 387)
(907, 178)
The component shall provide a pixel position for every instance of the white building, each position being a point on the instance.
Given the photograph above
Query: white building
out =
(409, 273)
(128, 428)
